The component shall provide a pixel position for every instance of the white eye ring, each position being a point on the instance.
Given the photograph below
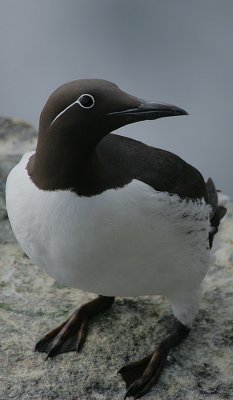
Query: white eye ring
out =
(76, 102)
(90, 98)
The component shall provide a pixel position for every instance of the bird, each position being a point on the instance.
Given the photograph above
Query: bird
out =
(113, 216)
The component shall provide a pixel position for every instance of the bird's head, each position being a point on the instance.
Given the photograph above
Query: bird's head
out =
(99, 107)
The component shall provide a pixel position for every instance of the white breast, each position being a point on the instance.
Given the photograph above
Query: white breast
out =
(125, 242)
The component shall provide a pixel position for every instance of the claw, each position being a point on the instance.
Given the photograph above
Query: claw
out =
(53, 351)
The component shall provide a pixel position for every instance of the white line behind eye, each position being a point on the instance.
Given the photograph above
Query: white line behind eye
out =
(71, 105)
(63, 111)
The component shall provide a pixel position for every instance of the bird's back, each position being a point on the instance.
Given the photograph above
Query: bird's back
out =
(122, 159)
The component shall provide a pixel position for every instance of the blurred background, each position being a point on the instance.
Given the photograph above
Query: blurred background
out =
(179, 52)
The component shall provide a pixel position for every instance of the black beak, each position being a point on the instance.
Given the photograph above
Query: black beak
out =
(150, 110)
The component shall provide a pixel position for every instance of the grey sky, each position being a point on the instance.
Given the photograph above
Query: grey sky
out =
(178, 52)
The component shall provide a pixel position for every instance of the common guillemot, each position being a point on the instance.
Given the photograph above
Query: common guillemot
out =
(113, 216)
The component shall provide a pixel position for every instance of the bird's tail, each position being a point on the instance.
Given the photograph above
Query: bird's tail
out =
(218, 211)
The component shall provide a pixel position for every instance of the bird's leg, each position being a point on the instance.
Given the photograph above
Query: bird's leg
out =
(71, 335)
(141, 375)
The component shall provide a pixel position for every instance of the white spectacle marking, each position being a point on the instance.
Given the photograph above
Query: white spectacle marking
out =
(75, 102)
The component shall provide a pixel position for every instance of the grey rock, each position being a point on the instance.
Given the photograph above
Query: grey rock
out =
(32, 303)
(16, 137)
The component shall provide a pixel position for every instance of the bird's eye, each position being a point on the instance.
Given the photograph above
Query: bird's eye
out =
(86, 101)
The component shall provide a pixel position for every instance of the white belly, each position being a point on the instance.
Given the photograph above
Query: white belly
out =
(125, 242)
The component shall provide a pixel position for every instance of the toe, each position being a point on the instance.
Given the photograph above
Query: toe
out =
(82, 334)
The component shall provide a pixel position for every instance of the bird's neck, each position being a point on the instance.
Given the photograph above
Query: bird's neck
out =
(62, 161)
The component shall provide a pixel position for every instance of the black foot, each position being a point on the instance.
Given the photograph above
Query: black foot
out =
(141, 375)
(71, 335)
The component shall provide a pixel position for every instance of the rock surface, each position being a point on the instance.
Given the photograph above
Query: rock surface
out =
(31, 303)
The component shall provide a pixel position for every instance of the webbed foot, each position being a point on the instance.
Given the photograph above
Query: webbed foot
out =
(71, 335)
